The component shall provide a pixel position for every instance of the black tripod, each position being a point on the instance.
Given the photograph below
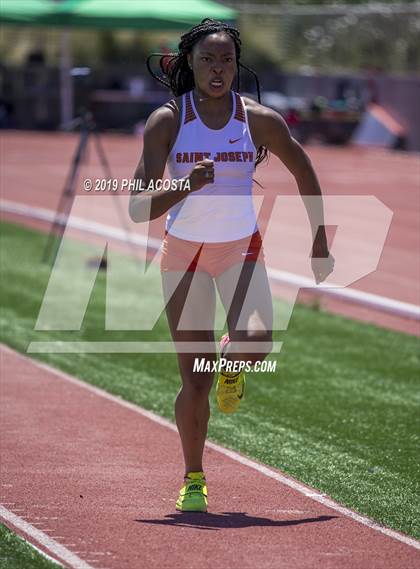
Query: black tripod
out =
(87, 128)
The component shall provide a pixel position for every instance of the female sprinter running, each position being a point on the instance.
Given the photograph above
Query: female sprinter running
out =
(212, 139)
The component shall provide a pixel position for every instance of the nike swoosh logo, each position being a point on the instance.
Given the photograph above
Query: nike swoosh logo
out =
(235, 140)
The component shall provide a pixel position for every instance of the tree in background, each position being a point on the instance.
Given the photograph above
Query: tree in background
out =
(343, 36)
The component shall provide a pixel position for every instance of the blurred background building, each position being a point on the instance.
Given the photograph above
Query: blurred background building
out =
(342, 72)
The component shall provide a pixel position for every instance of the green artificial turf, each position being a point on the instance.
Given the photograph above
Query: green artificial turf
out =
(340, 413)
(17, 554)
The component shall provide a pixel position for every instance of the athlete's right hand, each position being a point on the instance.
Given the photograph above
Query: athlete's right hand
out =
(201, 174)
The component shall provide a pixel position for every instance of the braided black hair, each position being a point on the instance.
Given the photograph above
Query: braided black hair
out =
(177, 75)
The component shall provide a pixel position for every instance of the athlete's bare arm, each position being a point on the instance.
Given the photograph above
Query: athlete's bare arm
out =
(159, 134)
(269, 129)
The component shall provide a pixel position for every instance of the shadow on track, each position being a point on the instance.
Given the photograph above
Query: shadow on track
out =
(232, 520)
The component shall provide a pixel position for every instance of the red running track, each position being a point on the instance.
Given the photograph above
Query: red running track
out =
(87, 471)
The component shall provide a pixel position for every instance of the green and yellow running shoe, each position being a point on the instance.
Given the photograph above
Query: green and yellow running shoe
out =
(230, 387)
(230, 390)
(193, 495)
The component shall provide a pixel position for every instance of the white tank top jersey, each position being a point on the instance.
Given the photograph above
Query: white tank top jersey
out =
(224, 210)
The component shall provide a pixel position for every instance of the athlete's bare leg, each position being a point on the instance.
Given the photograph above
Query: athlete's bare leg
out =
(245, 293)
(191, 304)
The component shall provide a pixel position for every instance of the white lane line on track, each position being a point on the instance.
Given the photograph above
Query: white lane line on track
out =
(298, 486)
(46, 541)
(374, 301)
